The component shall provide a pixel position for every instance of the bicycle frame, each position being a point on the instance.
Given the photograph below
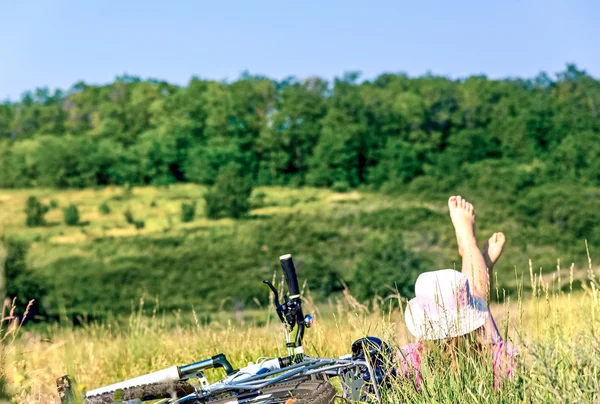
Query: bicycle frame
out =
(354, 386)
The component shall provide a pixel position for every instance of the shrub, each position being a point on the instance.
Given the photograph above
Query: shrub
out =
(53, 204)
(139, 224)
(386, 266)
(22, 283)
(230, 196)
(340, 186)
(188, 211)
(129, 216)
(566, 212)
(71, 215)
(104, 209)
(35, 211)
(258, 200)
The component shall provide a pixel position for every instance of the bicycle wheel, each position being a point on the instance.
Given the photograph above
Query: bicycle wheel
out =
(152, 391)
(298, 392)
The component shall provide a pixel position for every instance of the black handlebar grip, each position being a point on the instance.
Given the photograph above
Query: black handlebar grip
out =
(289, 272)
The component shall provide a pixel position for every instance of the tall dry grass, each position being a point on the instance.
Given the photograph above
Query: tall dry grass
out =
(10, 324)
(555, 328)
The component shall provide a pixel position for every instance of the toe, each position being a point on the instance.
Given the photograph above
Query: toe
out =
(452, 201)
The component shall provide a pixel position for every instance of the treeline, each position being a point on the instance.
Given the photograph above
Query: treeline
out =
(390, 131)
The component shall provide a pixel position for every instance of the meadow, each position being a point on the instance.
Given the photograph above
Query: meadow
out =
(556, 333)
(129, 300)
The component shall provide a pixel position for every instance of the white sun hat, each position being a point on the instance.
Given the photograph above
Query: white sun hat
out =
(443, 306)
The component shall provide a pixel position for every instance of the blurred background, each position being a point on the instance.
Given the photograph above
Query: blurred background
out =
(174, 151)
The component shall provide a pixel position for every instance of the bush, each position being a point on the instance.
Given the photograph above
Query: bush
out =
(340, 186)
(387, 266)
(258, 200)
(104, 209)
(35, 211)
(129, 216)
(21, 283)
(188, 211)
(230, 196)
(71, 215)
(53, 204)
(139, 224)
(556, 212)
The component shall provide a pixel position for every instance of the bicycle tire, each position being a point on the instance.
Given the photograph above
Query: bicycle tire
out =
(151, 391)
(298, 392)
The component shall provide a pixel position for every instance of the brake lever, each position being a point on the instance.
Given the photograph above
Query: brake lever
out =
(278, 306)
(275, 292)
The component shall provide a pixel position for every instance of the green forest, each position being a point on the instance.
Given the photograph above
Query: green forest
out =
(526, 149)
(386, 132)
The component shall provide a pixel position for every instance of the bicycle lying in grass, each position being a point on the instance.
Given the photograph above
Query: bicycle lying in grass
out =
(296, 378)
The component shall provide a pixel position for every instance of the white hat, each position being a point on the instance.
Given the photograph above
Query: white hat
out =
(444, 307)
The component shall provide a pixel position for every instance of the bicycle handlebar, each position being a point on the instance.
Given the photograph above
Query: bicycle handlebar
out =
(289, 272)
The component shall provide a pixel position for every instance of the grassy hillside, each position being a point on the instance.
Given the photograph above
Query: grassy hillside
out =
(369, 240)
(108, 264)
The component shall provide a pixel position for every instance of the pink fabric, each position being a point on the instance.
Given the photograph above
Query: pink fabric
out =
(503, 355)
(409, 357)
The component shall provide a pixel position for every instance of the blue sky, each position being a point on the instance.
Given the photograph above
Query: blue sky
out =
(56, 43)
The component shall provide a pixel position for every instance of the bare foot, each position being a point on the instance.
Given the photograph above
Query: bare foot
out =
(493, 249)
(463, 219)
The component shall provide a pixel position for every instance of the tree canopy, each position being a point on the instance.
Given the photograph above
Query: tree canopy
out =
(387, 131)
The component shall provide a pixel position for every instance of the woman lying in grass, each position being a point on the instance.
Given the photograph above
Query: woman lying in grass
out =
(450, 311)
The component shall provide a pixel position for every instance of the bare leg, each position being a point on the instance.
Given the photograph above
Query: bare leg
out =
(491, 253)
(493, 249)
(473, 264)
